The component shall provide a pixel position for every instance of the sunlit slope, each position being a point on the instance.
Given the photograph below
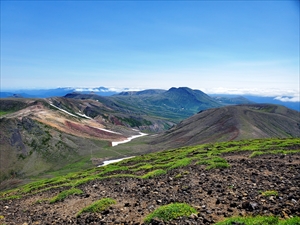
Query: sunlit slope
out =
(249, 177)
(233, 123)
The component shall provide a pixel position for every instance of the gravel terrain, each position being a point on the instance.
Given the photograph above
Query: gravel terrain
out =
(216, 194)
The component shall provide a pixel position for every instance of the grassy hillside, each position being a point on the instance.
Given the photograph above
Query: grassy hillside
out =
(247, 177)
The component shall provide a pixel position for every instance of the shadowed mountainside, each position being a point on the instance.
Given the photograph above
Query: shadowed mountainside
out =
(233, 123)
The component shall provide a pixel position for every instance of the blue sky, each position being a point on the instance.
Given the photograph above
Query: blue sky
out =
(214, 46)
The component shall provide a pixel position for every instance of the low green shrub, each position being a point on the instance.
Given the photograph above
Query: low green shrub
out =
(170, 212)
(269, 193)
(215, 162)
(180, 163)
(98, 206)
(64, 194)
(256, 153)
(154, 173)
(260, 220)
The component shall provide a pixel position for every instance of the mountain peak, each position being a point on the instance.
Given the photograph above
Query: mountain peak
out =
(180, 89)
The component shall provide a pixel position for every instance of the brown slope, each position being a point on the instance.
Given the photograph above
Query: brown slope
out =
(233, 123)
(35, 137)
(75, 125)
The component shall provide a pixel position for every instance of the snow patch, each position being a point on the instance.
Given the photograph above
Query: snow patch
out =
(110, 131)
(71, 114)
(83, 115)
(113, 161)
(115, 143)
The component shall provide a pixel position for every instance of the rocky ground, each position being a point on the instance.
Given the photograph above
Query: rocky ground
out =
(216, 194)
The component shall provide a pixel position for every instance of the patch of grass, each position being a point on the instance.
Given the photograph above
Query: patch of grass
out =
(40, 201)
(291, 221)
(214, 162)
(43, 184)
(219, 165)
(113, 168)
(170, 212)
(180, 163)
(98, 206)
(269, 193)
(154, 173)
(143, 167)
(2, 113)
(121, 175)
(11, 197)
(78, 182)
(256, 153)
(179, 175)
(260, 220)
(64, 194)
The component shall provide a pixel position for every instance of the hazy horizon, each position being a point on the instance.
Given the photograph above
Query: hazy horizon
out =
(287, 96)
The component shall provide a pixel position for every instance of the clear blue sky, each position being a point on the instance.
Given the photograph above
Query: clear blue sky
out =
(206, 45)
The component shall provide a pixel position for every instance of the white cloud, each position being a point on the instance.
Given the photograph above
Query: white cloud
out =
(110, 89)
(87, 89)
(288, 99)
(278, 94)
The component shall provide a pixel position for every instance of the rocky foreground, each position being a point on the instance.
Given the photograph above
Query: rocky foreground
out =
(216, 194)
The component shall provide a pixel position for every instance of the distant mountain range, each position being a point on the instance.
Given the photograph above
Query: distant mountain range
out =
(56, 92)
(223, 99)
